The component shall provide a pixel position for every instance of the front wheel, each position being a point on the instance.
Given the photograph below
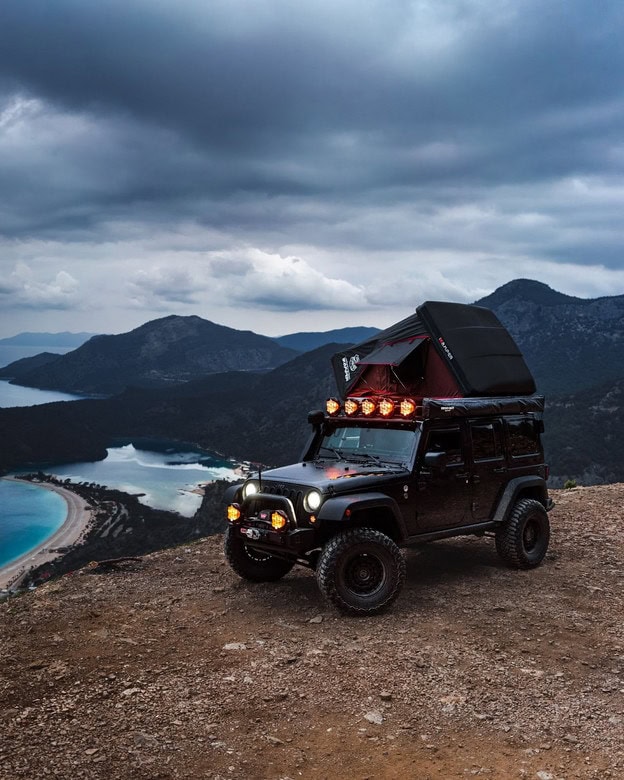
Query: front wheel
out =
(360, 571)
(522, 541)
(252, 564)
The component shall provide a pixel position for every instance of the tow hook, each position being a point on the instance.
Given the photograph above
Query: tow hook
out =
(251, 533)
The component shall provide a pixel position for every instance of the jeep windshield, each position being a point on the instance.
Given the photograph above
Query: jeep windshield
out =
(377, 445)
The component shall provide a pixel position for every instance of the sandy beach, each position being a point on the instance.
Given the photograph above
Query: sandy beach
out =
(78, 517)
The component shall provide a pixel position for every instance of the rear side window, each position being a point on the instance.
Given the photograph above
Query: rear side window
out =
(523, 437)
(486, 440)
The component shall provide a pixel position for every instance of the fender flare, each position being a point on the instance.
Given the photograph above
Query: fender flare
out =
(334, 508)
(513, 488)
(232, 494)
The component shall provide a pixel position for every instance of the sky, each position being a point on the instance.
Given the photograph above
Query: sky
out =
(282, 165)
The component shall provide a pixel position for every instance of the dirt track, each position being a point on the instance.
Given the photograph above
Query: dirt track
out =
(177, 669)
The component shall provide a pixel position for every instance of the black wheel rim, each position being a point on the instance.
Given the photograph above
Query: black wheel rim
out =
(531, 535)
(364, 574)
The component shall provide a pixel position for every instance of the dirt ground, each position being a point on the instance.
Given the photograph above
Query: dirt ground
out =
(175, 668)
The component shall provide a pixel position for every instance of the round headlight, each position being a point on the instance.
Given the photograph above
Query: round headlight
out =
(249, 489)
(312, 500)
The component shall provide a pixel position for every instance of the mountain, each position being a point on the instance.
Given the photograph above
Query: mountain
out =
(307, 341)
(25, 365)
(570, 344)
(64, 339)
(26, 345)
(161, 352)
(528, 290)
(585, 435)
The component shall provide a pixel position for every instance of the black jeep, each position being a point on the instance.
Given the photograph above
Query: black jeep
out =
(391, 466)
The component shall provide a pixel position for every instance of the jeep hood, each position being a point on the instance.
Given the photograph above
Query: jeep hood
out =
(324, 473)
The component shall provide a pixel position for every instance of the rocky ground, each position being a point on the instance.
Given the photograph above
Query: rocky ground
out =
(175, 668)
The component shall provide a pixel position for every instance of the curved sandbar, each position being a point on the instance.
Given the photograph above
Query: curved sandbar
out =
(77, 520)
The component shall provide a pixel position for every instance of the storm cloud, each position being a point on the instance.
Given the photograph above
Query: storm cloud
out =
(284, 165)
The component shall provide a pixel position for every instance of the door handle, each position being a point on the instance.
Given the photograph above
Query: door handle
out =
(476, 479)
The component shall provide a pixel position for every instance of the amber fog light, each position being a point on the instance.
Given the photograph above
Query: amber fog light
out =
(233, 513)
(278, 520)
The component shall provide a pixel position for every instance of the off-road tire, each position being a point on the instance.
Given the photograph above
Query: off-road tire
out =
(251, 564)
(522, 541)
(360, 571)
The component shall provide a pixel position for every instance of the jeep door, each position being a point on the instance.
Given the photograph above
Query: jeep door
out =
(487, 472)
(443, 486)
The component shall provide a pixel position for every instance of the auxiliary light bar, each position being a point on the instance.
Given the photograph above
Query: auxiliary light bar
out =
(369, 406)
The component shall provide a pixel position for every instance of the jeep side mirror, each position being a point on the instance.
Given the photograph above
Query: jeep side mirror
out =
(435, 459)
(316, 417)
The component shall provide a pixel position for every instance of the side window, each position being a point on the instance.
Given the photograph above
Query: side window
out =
(446, 440)
(523, 437)
(486, 440)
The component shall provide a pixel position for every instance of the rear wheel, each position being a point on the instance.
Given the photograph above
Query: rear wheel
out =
(252, 564)
(360, 571)
(522, 541)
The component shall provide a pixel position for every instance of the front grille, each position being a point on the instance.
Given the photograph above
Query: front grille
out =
(293, 493)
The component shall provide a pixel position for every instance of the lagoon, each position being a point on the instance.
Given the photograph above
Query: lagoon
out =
(28, 516)
(166, 474)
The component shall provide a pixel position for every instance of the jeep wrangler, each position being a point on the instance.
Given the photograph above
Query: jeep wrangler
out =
(436, 433)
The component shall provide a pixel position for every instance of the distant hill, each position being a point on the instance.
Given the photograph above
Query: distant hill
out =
(306, 341)
(39, 340)
(26, 345)
(25, 365)
(585, 435)
(164, 351)
(570, 344)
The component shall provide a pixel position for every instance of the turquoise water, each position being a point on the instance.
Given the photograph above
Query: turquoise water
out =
(16, 395)
(28, 516)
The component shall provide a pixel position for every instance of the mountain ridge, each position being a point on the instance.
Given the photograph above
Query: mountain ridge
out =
(165, 351)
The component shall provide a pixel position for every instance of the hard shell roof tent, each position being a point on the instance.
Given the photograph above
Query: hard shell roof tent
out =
(444, 350)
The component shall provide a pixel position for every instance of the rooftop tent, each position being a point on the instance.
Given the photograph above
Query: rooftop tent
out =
(478, 349)
(444, 350)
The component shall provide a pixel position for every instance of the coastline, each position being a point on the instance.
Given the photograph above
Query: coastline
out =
(74, 525)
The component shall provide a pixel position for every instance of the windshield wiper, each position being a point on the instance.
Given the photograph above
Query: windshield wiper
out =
(365, 456)
(336, 453)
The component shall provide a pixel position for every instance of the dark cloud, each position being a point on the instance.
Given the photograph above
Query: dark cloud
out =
(328, 130)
